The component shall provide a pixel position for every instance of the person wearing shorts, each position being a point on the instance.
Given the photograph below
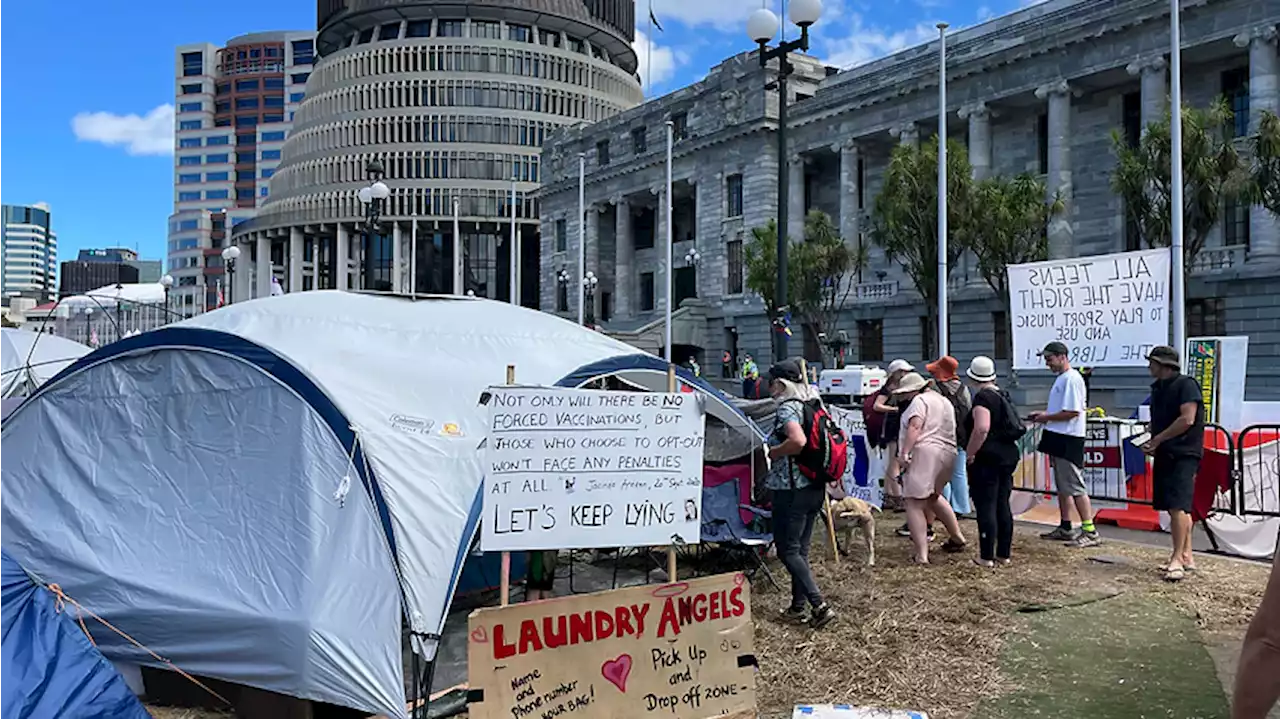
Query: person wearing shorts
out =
(1062, 441)
(1177, 444)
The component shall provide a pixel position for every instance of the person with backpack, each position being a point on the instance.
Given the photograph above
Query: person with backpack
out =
(949, 385)
(799, 487)
(992, 453)
(927, 451)
(880, 413)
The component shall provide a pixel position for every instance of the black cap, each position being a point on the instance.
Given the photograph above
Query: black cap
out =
(1054, 348)
(787, 369)
(1165, 355)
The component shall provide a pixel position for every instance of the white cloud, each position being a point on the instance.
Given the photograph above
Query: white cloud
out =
(664, 60)
(724, 15)
(150, 134)
(861, 43)
(985, 13)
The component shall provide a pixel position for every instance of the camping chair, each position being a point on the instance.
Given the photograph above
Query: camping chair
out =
(732, 521)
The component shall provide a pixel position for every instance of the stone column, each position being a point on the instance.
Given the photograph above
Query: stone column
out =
(295, 259)
(660, 247)
(263, 268)
(907, 133)
(849, 219)
(342, 268)
(1155, 88)
(1061, 232)
(1264, 95)
(242, 287)
(978, 116)
(624, 283)
(397, 258)
(795, 197)
(593, 254)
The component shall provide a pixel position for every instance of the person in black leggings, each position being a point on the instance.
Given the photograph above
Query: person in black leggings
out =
(993, 455)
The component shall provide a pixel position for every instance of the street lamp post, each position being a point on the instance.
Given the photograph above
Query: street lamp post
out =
(589, 283)
(229, 257)
(762, 26)
(167, 283)
(372, 198)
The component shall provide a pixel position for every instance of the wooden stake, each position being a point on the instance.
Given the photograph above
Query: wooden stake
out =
(671, 549)
(505, 582)
(826, 498)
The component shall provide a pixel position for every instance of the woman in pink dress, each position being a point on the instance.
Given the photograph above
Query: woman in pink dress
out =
(927, 452)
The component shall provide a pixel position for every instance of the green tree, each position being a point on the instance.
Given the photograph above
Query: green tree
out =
(1212, 174)
(904, 217)
(1009, 218)
(1266, 164)
(821, 271)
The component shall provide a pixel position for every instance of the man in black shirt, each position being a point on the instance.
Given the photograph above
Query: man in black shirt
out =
(1177, 443)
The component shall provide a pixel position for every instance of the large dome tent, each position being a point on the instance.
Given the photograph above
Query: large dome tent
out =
(32, 358)
(260, 493)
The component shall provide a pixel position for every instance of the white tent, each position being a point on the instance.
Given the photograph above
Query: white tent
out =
(260, 494)
(32, 358)
(145, 293)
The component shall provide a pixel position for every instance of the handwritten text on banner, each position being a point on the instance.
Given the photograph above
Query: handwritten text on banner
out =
(673, 651)
(579, 469)
(1108, 310)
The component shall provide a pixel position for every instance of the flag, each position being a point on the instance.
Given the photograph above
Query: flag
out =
(654, 19)
(93, 337)
(276, 289)
(221, 300)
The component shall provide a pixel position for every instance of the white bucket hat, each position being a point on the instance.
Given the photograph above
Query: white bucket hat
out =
(910, 382)
(982, 369)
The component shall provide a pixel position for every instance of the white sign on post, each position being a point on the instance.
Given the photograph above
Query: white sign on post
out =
(1108, 310)
(584, 469)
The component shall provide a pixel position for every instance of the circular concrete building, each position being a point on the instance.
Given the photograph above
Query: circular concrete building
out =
(453, 100)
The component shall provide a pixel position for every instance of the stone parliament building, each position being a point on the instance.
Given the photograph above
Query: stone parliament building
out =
(1039, 90)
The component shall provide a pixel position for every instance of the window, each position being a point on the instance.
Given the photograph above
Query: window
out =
(223, 88)
(449, 28)
(246, 85)
(222, 122)
(562, 235)
(1132, 118)
(1000, 323)
(189, 160)
(219, 140)
(189, 142)
(262, 192)
(602, 153)
(273, 101)
(222, 106)
(193, 89)
(188, 196)
(1235, 223)
(184, 225)
(680, 122)
(244, 193)
(246, 120)
(1235, 88)
(418, 28)
(562, 296)
(519, 33)
(216, 177)
(249, 139)
(242, 157)
(733, 258)
(862, 184)
(267, 173)
(300, 78)
(273, 83)
(549, 38)
(245, 175)
(277, 117)
(217, 159)
(190, 125)
(190, 107)
(304, 52)
(296, 96)
(1206, 317)
(390, 31)
(870, 340)
(486, 29)
(216, 194)
(366, 35)
(646, 292)
(273, 136)
(1042, 143)
(246, 103)
(192, 64)
(640, 140)
(733, 191)
(271, 154)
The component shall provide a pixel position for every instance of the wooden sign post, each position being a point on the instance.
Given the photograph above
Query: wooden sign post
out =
(671, 548)
(505, 585)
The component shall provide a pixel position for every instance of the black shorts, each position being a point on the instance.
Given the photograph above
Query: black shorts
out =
(1173, 482)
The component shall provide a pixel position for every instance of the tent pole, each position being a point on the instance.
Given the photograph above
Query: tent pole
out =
(671, 387)
(505, 581)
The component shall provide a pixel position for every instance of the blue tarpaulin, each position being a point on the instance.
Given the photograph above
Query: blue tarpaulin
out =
(50, 667)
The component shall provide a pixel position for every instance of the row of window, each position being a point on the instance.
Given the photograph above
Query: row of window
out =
(401, 130)
(193, 178)
(240, 121)
(400, 61)
(242, 193)
(457, 93)
(223, 158)
(419, 165)
(256, 84)
(410, 201)
(640, 138)
(219, 140)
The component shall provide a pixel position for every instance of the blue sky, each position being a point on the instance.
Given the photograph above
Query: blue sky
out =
(88, 128)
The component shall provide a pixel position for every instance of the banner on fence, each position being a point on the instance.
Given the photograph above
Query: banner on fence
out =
(1202, 366)
(1109, 310)
(865, 470)
(583, 469)
(683, 650)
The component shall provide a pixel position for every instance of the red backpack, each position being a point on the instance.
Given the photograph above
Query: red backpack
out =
(873, 420)
(826, 449)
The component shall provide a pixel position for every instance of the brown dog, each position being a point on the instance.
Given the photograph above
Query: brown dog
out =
(852, 513)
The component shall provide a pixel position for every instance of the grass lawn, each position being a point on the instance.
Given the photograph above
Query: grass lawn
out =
(1132, 656)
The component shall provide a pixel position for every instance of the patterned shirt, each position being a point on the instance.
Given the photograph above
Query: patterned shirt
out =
(782, 472)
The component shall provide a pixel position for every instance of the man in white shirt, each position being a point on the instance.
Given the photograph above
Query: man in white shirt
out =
(1063, 442)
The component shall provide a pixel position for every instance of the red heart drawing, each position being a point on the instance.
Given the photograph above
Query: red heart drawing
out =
(479, 635)
(617, 671)
(738, 579)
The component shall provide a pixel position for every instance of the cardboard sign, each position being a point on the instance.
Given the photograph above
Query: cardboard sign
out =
(586, 469)
(1109, 310)
(682, 650)
(1202, 366)
(865, 469)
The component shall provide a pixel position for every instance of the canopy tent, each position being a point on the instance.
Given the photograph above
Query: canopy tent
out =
(144, 293)
(288, 475)
(51, 669)
(30, 359)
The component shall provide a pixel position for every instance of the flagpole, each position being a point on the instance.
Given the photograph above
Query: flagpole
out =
(648, 55)
(515, 249)
(413, 255)
(1176, 209)
(458, 282)
(670, 276)
(942, 191)
(582, 234)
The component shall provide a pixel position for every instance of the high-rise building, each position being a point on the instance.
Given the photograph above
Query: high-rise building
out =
(28, 252)
(95, 268)
(234, 108)
(453, 101)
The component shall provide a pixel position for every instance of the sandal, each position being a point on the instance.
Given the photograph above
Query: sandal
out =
(951, 546)
(1175, 574)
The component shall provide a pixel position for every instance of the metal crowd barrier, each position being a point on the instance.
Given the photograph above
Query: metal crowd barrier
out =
(1256, 486)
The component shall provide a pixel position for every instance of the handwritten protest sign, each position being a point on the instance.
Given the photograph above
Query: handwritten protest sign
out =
(582, 469)
(681, 650)
(1109, 310)
(865, 469)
